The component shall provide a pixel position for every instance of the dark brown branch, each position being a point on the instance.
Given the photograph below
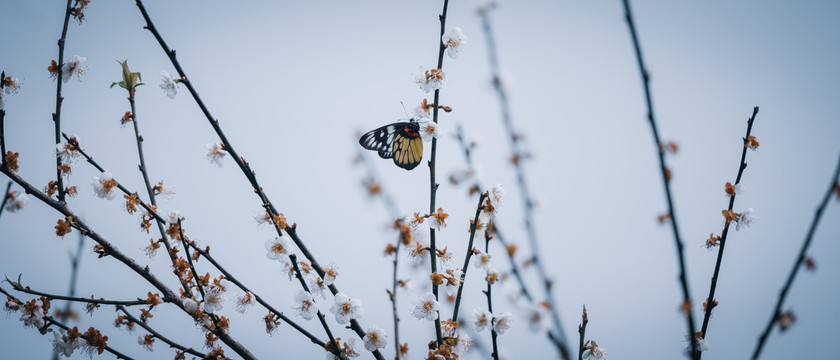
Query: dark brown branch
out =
(468, 255)
(433, 185)
(57, 323)
(582, 330)
(156, 334)
(695, 352)
(26, 289)
(243, 165)
(109, 249)
(488, 292)
(710, 301)
(139, 140)
(393, 296)
(259, 299)
(2, 138)
(203, 253)
(777, 311)
(557, 335)
(59, 99)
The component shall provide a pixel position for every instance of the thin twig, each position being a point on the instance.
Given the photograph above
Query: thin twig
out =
(557, 335)
(243, 165)
(139, 140)
(26, 289)
(2, 137)
(335, 347)
(5, 195)
(109, 349)
(59, 99)
(467, 256)
(156, 334)
(433, 185)
(488, 292)
(393, 296)
(710, 301)
(774, 317)
(259, 299)
(584, 319)
(695, 353)
(55, 322)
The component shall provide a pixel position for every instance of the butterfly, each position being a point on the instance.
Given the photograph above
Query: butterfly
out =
(399, 141)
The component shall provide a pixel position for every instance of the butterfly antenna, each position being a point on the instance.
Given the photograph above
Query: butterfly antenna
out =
(404, 110)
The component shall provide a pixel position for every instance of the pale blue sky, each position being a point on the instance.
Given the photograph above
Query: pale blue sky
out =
(292, 83)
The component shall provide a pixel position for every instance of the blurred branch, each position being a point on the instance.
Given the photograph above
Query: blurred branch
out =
(5, 193)
(695, 353)
(467, 256)
(433, 185)
(557, 336)
(243, 165)
(156, 334)
(74, 275)
(710, 301)
(774, 317)
(59, 99)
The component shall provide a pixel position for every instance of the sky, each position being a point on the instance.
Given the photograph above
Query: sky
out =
(293, 83)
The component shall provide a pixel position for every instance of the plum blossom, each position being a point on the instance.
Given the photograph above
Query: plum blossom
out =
(454, 40)
(346, 309)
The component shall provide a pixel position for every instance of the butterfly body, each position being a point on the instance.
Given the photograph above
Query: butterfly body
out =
(400, 141)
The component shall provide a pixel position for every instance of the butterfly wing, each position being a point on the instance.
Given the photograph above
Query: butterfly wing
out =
(381, 140)
(408, 149)
(400, 141)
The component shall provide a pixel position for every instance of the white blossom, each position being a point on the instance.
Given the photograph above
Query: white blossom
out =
(245, 302)
(429, 130)
(168, 84)
(502, 322)
(454, 40)
(481, 319)
(745, 219)
(190, 305)
(484, 261)
(17, 201)
(73, 67)
(65, 345)
(103, 186)
(535, 313)
(594, 352)
(216, 154)
(214, 298)
(346, 309)
(33, 314)
(426, 307)
(429, 80)
(375, 338)
(278, 249)
(304, 305)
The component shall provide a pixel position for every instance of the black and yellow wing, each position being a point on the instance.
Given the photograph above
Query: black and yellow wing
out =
(399, 141)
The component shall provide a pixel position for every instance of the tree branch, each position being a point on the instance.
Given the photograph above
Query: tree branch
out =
(774, 317)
